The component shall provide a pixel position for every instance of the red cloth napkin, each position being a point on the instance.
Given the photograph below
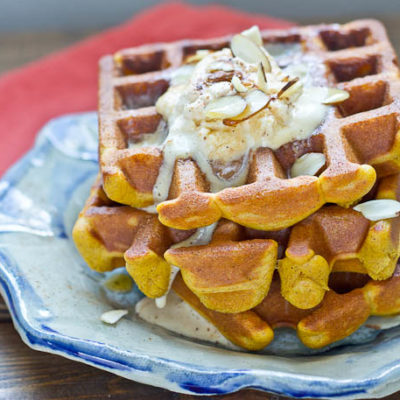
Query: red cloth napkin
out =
(66, 81)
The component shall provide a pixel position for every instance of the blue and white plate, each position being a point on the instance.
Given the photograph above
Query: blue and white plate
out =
(56, 302)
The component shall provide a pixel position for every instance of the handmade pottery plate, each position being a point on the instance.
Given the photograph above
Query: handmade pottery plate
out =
(56, 303)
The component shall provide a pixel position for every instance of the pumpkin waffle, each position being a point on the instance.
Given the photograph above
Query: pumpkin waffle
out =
(335, 267)
(359, 137)
(352, 299)
(332, 239)
(109, 235)
(339, 239)
(231, 281)
(238, 272)
(233, 272)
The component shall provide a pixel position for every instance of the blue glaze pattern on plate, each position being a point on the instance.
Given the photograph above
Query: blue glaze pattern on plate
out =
(56, 302)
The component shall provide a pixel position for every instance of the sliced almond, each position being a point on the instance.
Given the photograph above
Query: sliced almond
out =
(254, 35)
(220, 76)
(220, 66)
(290, 88)
(267, 65)
(261, 78)
(198, 56)
(238, 85)
(308, 164)
(113, 316)
(248, 51)
(225, 107)
(336, 96)
(375, 210)
(256, 101)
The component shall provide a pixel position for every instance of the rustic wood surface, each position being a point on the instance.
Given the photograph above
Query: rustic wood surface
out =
(29, 375)
(26, 374)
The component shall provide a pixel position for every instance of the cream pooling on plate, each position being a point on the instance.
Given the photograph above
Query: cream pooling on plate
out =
(195, 131)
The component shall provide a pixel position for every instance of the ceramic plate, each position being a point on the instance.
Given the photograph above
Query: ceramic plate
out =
(56, 302)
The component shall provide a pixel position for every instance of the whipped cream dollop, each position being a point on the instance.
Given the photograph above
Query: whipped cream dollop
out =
(286, 119)
(219, 135)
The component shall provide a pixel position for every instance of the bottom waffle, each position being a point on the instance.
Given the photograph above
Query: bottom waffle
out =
(231, 279)
(352, 299)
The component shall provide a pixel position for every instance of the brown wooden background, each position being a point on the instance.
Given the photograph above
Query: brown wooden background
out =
(29, 375)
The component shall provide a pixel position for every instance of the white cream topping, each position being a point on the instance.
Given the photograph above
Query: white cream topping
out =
(153, 139)
(162, 301)
(191, 134)
(202, 236)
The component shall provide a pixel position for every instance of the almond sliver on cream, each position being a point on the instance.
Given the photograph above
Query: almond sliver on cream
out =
(238, 85)
(248, 51)
(225, 107)
(256, 100)
(196, 57)
(254, 35)
(261, 78)
(221, 66)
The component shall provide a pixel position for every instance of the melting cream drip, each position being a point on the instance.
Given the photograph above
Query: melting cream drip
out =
(201, 237)
(192, 135)
(150, 139)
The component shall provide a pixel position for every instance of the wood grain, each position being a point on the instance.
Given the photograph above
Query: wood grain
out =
(27, 374)
(4, 316)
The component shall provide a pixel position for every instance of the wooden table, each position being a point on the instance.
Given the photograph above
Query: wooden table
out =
(29, 375)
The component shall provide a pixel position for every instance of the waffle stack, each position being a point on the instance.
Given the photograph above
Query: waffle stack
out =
(274, 249)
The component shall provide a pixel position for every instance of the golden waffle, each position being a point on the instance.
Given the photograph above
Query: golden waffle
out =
(229, 274)
(335, 268)
(110, 235)
(359, 139)
(245, 329)
(340, 314)
(339, 239)
(234, 271)
(233, 274)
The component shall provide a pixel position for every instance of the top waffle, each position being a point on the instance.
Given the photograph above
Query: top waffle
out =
(359, 138)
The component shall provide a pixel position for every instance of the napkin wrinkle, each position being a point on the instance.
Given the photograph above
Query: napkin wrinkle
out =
(66, 81)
